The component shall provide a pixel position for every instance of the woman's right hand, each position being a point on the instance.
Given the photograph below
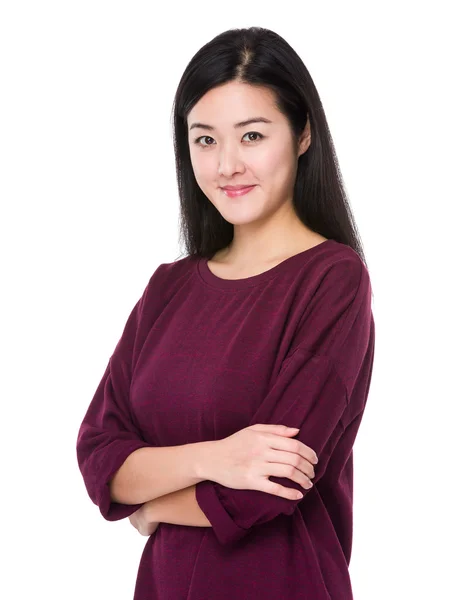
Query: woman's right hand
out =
(246, 459)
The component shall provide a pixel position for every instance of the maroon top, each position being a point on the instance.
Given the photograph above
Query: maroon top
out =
(202, 357)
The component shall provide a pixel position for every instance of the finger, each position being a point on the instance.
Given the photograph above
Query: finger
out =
(290, 472)
(271, 487)
(275, 429)
(295, 446)
(289, 458)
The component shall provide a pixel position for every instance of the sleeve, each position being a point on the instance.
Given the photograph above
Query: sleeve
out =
(108, 433)
(330, 351)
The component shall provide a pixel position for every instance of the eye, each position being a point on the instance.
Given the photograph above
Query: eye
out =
(207, 137)
(203, 137)
(254, 133)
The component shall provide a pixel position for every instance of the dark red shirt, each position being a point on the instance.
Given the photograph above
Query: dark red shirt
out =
(202, 357)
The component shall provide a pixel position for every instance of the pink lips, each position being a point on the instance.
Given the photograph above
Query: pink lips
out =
(236, 191)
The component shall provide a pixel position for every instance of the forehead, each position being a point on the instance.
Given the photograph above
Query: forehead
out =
(234, 101)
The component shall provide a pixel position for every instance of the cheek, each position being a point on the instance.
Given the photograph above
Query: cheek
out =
(273, 164)
(203, 167)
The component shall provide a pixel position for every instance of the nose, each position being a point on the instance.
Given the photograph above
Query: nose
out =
(230, 162)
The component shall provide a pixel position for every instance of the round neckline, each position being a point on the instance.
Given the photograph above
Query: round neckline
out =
(291, 262)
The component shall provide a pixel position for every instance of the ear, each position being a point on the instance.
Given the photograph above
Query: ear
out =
(305, 138)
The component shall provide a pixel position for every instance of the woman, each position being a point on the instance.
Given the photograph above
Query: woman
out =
(265, 324)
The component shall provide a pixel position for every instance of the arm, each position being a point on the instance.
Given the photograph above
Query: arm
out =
(321, 387)
(179, 508)
(121, 471)
(149, 473)
(108, 433)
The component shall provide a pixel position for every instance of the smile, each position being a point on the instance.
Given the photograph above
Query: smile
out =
(240, 192)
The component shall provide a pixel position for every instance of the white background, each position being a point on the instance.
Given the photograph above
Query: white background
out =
(89, 209)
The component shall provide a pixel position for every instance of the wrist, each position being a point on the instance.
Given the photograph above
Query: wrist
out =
(151, 511)
(203, 460)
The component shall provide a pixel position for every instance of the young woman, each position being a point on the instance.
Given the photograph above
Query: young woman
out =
(265, 325)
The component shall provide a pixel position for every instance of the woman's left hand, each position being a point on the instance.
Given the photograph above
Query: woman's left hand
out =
(139, 521)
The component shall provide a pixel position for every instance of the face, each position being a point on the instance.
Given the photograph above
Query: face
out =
(225, 152)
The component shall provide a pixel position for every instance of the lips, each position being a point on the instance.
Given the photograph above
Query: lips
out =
(236, 191)
(235, 188)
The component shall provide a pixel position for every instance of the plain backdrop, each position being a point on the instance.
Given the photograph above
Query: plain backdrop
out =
(89, 209)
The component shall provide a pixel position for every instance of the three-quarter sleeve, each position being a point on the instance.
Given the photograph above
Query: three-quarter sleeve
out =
(108, 433)
(321, 388)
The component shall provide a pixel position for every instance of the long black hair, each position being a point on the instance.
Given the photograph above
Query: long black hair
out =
(261, 57)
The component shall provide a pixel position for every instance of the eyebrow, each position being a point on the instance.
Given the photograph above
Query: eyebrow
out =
(237, 125)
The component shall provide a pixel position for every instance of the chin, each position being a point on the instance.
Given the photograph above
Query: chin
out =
(242, 219)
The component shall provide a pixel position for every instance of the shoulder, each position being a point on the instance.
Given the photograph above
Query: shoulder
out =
(169, 275)
(339, 271)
